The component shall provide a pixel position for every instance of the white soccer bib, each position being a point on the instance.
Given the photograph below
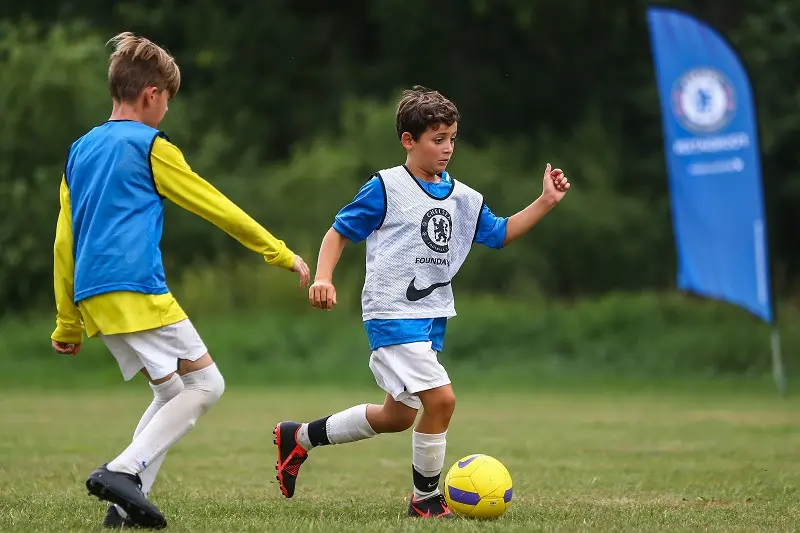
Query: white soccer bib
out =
(419, 248)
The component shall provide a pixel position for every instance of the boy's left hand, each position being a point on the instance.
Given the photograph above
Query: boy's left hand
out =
(555, 184)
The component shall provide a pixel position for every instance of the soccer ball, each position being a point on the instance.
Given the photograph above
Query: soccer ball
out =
(478, 486)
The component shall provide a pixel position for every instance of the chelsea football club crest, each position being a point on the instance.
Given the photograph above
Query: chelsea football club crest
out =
(437, 227)
(703, 100)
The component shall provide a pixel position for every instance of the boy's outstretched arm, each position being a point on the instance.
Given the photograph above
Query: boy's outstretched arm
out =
(554, 186)
(322, 293)
(68, 334)
(180, 184)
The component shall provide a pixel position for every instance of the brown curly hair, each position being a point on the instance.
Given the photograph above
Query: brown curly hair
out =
(421, 108)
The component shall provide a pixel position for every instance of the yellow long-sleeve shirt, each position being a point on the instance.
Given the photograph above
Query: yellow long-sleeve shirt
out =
(126, 312)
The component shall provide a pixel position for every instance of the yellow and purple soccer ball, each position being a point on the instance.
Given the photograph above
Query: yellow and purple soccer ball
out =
(478, 486)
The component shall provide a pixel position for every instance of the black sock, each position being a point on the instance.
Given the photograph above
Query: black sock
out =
(425, 484)
(318, 432)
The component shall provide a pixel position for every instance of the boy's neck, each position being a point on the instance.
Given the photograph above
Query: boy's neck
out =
(124, 111)
(420, 174)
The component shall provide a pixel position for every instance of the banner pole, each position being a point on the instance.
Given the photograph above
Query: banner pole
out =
(777, 361)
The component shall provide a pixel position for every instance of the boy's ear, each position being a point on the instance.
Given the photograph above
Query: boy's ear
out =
(149, 93)
(407, 140)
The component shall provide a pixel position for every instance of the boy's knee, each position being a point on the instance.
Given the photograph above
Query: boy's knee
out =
(208, 383)
(216, 389)
(215, 386)
(442, 404)
(452, 401)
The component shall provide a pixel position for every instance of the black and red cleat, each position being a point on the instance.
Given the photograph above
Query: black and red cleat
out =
(431, 507)
(290, 456)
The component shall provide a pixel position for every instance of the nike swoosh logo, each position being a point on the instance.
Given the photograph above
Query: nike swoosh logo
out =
(462, 464)
(413, 294)
(419, 512)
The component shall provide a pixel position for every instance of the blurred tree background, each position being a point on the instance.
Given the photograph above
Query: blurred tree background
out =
(287, 107)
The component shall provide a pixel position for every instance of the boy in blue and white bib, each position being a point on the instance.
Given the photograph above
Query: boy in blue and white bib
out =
(419, 225)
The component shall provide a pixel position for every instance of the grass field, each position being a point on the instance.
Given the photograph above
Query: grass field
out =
(592, 460)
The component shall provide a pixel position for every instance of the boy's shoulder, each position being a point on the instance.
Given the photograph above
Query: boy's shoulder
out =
(129, 128)
(396, 170)
(401, 172)
(464, 186)
(457, 183)
(117, 130)
(111, 136)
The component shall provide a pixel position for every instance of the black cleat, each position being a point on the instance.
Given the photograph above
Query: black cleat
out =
(432, 507)
(126, 491)
(115, 521)
(290, 456)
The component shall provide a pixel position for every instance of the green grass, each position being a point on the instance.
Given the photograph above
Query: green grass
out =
(597, 460)
(631, 336)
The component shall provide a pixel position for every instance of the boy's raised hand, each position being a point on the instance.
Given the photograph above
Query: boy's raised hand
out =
(301, 268)
(555, 184)
(322, 295)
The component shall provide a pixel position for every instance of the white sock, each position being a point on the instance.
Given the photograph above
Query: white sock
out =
(349, 425)
(427, 461)
(162, 393)
(302, 437)
(202, 389)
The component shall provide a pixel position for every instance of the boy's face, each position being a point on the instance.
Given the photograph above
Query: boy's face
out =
(155, 106)
(433, 150)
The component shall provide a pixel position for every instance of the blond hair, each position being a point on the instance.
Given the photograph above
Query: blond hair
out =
(420, 108)
(138, 63)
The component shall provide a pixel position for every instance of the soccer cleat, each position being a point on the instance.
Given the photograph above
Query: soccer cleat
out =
(126, 491)
(115, 521)
(431, 507)
(290, 456)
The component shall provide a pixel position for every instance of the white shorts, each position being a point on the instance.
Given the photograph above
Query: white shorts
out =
(403, 370)
(156, 350)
